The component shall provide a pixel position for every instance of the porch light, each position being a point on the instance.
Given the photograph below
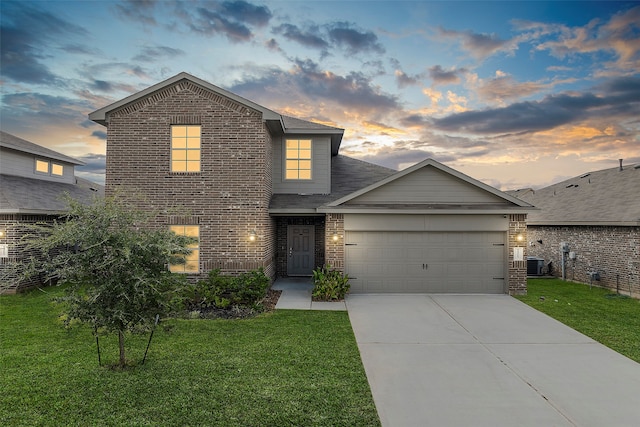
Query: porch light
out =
(335, 237)
(519, 237)
(253, 236)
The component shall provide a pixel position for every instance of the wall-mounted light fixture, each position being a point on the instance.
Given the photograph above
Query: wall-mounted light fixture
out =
(253, 236)
(3, 233)
(335, 237)
(519, 237)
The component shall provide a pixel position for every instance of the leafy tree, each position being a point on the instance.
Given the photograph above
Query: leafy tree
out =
(115, 263)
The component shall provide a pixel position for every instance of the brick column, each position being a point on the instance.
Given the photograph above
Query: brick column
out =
(334, 249)
(517, 269)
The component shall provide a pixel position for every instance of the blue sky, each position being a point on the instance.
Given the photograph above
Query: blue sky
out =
(515, 94)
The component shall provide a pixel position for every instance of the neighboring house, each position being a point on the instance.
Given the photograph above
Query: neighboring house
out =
(32, 181)
(260, 189)
(597, 215)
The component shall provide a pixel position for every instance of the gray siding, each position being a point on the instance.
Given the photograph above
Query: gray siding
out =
(24, 164)
(320, 182)
(428, 185)
(372, 222)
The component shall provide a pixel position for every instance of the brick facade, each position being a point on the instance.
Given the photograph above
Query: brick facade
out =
(228, 199)
(15, 227)
(517, 238)
(335, 249)
(614, 252)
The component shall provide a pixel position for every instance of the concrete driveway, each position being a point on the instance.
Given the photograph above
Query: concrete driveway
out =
(487, 360)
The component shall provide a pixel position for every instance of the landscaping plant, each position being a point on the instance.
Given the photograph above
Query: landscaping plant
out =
(329, 284)
(114, 263)
(217, 291)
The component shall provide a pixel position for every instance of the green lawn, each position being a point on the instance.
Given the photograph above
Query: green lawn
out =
(598, 313)
(285, 368)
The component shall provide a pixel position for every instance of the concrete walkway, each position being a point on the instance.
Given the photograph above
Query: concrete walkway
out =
(296, 295)
(487, 360)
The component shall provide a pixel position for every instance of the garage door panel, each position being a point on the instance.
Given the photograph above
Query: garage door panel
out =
(456, 262)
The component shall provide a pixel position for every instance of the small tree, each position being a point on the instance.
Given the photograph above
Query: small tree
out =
(114, 262)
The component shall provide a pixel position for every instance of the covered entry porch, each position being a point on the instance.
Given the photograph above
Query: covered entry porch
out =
(300, 245)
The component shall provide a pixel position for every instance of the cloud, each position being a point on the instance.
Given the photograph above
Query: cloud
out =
(478, 45)
(94, 168)
(140, 11)
(441, 76)
(99, 134)
(504, 87)
(615, 98)
(307, 86)
(25, 33)
(154, 53)
(232, 19)
(353, 40)
(618, 36)
(309, 37)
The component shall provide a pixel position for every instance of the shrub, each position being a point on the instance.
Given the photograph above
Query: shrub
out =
(224, 292)
(329, 284)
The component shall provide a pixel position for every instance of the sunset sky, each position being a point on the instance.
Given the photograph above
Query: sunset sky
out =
(515, 94)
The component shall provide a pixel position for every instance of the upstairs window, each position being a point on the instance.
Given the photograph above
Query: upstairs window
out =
(185, 148)
(56, 169)
(49, 168)
(298, 159)
(192, 261)
(42, 166)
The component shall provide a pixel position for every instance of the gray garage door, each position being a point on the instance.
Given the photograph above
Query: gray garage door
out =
(416, 261)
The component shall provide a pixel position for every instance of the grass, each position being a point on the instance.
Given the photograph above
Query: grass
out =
(598, 313)
(285, 368)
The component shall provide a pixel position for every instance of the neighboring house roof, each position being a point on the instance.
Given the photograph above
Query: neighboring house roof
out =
(605, 197)
(35, 196)
(428, 187)
(276, 122)
(10, 141)
(347, 175)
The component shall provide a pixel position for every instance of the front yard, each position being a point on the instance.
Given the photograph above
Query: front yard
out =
(598, 313)
(281, 368)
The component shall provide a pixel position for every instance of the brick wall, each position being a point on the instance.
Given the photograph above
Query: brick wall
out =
(228, 199)
(335, 249)
(15, 227)
(517, 237)
(614, 252)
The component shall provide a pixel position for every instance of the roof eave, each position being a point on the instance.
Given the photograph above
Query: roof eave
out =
(422, 211)
(101, 116)
(586, 223)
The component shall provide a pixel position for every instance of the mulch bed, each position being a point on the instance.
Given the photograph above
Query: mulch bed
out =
(198, 312)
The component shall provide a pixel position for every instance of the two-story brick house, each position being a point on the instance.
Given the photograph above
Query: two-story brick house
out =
(33, 179)
(260, 189)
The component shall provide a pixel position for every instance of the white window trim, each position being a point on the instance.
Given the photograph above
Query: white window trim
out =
(284, 161)
(171, 149)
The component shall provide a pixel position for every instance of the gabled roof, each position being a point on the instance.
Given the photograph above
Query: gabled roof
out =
(35, 196)
(293, 125)
(13, 142)
(347, 175)
(455, 193)
(276, 122)
(605, 197)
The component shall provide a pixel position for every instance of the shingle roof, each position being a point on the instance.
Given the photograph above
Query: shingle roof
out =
(10, 141)
(605, 197)
(35, 196)
(295, 123)
(347, 175)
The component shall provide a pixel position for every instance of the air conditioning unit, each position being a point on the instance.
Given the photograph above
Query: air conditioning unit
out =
(535, 266)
